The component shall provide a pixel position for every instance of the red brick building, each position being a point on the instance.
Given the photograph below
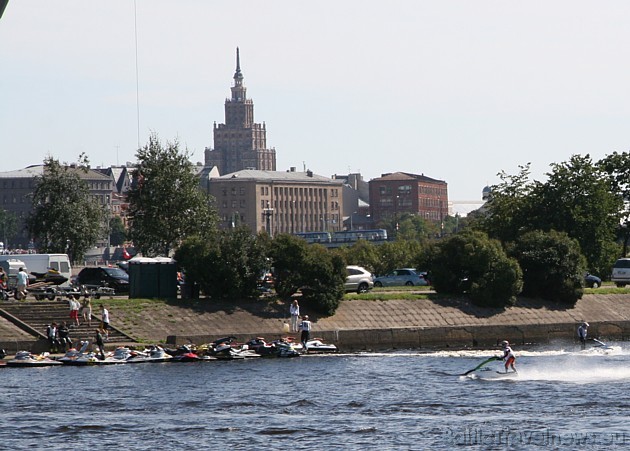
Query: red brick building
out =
(394, 194)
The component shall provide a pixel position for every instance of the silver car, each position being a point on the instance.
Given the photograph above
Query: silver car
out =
(359, 279)
(401, 277)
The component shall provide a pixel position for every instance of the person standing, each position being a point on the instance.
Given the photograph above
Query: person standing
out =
(22, 283)
(64, 336)
(295, 315)
(98, 338)
(306, 327)
(74, 310)
(105, 320)
(86, 310)
(508, 356)
(582, 333)
(52, 335)
(4, 284)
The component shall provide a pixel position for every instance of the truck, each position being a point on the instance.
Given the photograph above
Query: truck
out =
(41, 263)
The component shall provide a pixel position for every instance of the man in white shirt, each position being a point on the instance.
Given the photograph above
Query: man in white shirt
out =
(22, 283)
(305, 327)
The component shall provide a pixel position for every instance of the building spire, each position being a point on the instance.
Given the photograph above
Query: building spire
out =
(238, 75)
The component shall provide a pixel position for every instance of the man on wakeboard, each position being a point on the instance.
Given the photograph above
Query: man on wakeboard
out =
(582, 332)
(508, 356)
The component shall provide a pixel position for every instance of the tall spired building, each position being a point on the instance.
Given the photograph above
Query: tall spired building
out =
(240, 143)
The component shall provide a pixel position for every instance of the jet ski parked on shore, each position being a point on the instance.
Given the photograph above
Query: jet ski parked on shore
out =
(26, 359)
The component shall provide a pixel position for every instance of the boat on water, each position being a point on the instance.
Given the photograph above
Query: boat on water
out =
(26, 359)
(81, 357)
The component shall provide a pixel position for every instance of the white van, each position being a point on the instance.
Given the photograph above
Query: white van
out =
(40, 263)
(621, 272)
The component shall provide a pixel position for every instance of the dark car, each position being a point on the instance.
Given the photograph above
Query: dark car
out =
(104, 276)
(592, 281)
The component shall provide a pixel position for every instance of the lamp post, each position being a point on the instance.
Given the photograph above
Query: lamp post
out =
(268, 212)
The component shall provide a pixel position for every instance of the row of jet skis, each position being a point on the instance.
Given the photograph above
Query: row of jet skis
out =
(222, 349)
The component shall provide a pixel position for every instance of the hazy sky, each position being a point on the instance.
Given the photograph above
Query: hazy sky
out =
(455, 90)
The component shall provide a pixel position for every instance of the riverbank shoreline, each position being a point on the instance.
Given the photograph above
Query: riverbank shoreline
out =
(362, 325)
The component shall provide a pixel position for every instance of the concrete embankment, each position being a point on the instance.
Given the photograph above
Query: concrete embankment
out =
(425, 323)
(359, 324)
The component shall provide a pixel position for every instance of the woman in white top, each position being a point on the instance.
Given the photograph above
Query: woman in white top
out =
(295, 315)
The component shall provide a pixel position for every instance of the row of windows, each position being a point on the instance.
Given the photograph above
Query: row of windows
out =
(17, 184)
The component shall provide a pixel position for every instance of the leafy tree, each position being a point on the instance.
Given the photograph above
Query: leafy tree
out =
(362, 253)
(505, 214)
(397, 254)
(288, 254)
(117, 232)
(8, 226)
(165, 202)
(577, 200)
(323, 276)
(617, 167)
(469, 262)
(226, 267)
(553, 266)
(64, 218)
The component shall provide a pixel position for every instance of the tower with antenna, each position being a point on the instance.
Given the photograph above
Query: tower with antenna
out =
(240, 143)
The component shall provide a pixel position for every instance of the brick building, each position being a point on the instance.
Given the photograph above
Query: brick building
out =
(394, 194)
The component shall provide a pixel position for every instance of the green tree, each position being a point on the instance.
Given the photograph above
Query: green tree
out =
(323, 276)
(117, 231)
(577, 199)
(504, 216)
(397, 254)
(469, 262)
(617, 167)
(64, 218)
(362, 253)
(8, 227)
(288, 254)
(553, 266)
(165, 202)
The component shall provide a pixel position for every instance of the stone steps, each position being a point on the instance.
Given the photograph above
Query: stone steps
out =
(35, 316)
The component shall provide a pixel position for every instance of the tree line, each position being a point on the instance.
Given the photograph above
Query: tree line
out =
(535, 238)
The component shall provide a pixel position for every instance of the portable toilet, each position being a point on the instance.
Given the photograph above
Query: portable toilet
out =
(152, 278)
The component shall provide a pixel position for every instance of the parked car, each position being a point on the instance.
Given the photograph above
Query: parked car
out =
(359, 279)
(592, 281)
(400, 277)
(621, 272)
(104, 276)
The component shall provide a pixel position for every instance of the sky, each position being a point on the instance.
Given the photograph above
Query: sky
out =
(456, 90)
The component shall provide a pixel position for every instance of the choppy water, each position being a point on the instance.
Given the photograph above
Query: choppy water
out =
(400, 401)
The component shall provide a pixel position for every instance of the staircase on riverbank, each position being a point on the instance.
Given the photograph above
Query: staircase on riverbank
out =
(34, 316)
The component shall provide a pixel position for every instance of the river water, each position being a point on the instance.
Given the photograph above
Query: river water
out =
(562, 399)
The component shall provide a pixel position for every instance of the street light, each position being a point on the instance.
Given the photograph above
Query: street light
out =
(268, 212)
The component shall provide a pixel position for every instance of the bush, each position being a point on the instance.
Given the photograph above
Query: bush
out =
(469, 262)
(553, 266)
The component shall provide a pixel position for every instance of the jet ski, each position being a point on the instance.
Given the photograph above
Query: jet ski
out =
(187, 353)
(224, 349)
(277, 348)
(26, 359)
(151, 354)
(317, 346)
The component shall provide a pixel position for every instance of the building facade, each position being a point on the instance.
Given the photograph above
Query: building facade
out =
(18, 188)
(394, 194)
(278, 202)
(240, 143)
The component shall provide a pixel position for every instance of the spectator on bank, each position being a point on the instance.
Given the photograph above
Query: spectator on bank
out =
(105, 321)
(98, 339)
(22, 283)
(86, 310)
(305, 327)
(53, 337)
(63, 332)
(294, 310)
(74, 310)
